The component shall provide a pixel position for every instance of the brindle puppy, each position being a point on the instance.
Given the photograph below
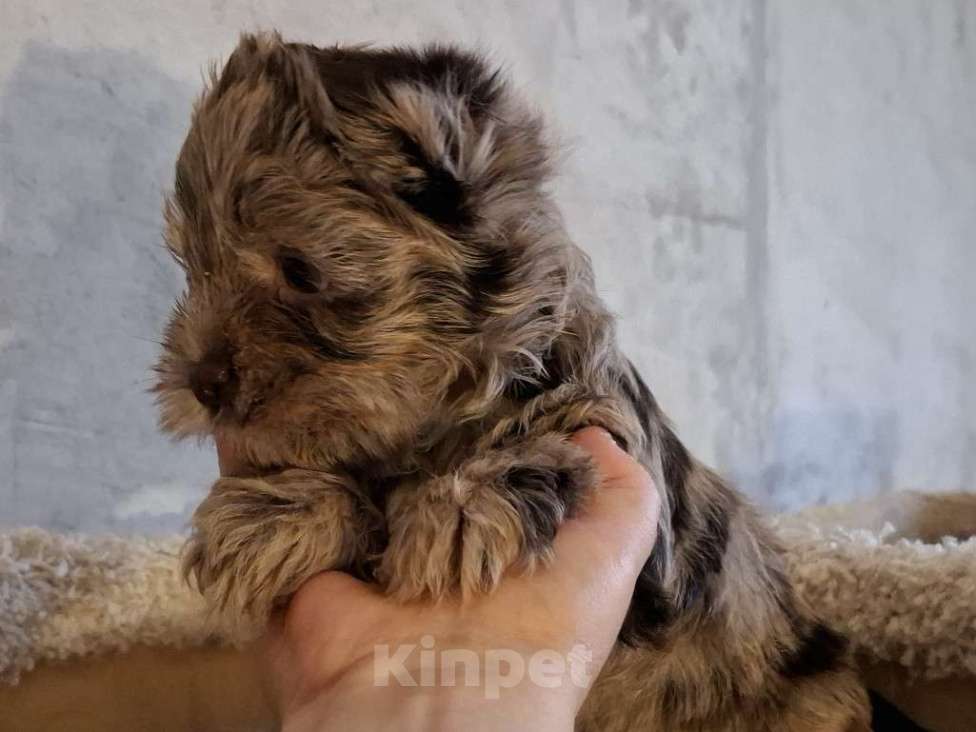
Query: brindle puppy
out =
(384, 314)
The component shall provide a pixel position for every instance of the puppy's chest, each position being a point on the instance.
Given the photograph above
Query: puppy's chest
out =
(439, 450)
(417, 462)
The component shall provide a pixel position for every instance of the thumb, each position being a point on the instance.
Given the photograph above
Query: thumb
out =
(621, 514)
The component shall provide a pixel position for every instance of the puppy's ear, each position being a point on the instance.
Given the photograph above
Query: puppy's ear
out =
(263, 64)
(466, 141)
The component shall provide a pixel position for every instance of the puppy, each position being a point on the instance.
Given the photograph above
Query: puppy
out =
(384, 315)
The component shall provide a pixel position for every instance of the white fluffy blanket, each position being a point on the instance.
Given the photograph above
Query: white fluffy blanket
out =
(877, 571)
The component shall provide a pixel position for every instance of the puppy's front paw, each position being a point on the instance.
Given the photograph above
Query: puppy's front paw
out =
(461, 532)
(256, 540)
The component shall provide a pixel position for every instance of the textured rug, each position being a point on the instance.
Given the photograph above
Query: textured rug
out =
(897, 575)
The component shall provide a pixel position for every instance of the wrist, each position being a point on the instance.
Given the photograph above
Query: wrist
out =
(363, 698)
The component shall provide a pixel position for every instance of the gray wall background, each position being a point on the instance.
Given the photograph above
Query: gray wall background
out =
(779, 197)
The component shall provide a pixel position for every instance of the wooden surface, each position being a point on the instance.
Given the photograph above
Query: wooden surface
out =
(145, 690)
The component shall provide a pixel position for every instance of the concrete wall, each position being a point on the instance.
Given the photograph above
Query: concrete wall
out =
(778, 196)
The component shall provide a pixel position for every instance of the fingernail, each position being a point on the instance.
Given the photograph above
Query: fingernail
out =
(618, 441)
(605, 434)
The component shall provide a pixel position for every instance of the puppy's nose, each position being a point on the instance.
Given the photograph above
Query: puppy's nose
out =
(214, 381)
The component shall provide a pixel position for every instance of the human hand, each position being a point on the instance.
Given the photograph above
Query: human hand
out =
(536, 644)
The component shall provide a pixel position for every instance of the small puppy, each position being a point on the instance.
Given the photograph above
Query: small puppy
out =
(385, 316)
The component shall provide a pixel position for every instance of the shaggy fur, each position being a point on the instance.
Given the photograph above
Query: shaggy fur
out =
(384, 314)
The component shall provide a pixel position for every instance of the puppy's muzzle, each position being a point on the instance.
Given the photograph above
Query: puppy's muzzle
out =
(213, 381)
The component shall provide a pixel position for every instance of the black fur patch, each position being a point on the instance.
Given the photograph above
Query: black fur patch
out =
(675, 459)
(438, 195)
(441, 293)
(475, 292)
(355, 311)
(326, 347)
(522, 391)
(702, 554)
(676, 464)
(651, 609)
(700, 539)
(489, 274)
(818, 651)
(714, 538)
(350, 74)
(640, 397)
(672, 696)
(886, 717)
(329, 349)
(542, 497)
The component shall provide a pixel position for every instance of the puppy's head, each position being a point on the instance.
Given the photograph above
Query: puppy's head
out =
(367, 246)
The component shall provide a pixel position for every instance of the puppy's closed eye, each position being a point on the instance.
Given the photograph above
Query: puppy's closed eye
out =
(300, 275)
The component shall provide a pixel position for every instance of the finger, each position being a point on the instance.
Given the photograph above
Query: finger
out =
(330, 595)
(620, 517)
(614, 464)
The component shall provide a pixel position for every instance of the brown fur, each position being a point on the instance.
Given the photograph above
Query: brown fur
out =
(384, 315)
